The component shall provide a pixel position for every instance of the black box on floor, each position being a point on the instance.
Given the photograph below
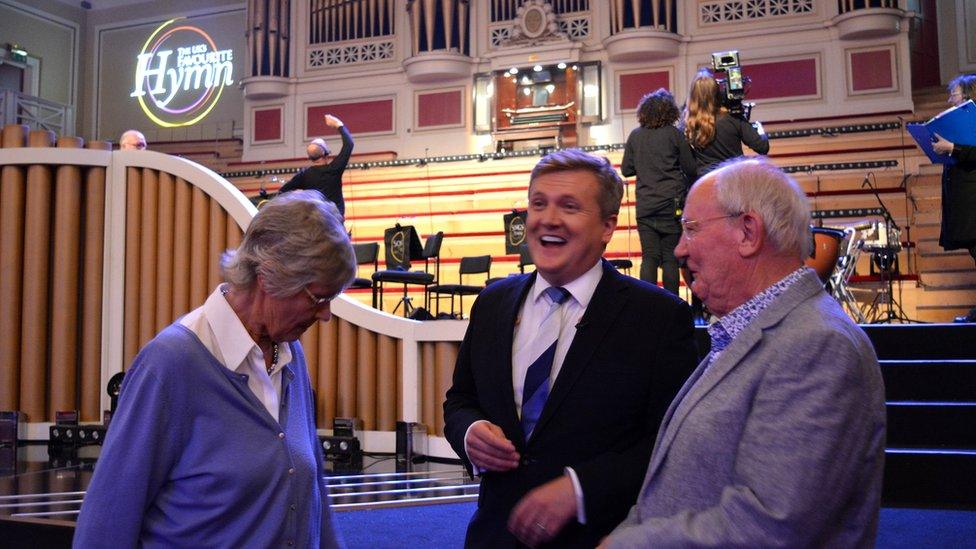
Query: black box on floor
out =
(411, 440)
(344, 453)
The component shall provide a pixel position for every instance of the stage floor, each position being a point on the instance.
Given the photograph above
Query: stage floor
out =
(36, 485)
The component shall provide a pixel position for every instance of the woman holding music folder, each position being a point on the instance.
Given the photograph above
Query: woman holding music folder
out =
(959, 183)
(213, 443)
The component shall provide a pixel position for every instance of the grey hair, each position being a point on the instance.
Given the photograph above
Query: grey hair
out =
(611, 185)
(294, 240)
(745, 185)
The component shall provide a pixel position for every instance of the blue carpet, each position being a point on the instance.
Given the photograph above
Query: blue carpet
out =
(443, 526)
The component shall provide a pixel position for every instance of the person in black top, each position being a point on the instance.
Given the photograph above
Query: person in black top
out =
(959, 183)
(325, 176)
(715, 135)
(658, 154)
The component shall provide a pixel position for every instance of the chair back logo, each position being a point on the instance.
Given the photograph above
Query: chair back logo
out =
(398, 246)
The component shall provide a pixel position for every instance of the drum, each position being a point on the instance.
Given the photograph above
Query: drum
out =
(826, 251)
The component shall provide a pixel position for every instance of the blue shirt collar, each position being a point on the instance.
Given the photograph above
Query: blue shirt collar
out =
(725, 330)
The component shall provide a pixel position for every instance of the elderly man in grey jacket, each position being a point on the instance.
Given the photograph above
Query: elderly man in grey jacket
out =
(777, 439)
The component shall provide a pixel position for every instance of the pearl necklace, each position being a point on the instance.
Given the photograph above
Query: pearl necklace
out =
(224, 290)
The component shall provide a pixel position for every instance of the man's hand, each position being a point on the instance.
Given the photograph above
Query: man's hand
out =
(332, 121)
(542, 513)
(941, 145)
(488, 449)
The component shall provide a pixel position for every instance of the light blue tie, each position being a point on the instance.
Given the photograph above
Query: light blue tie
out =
(535, 390)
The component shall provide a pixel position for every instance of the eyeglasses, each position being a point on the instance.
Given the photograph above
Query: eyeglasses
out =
(692, 226)
(317, 301)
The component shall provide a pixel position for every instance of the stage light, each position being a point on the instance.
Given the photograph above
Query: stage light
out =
(561, 66)
(537, 68)
(575, 67)
(550, 88)
(513, 70)
(526, 91)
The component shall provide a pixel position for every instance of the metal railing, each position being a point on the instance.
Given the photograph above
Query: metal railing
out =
(36, 113)
(844, 6)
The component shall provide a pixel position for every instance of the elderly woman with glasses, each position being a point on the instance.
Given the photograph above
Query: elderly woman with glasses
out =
(213, 443)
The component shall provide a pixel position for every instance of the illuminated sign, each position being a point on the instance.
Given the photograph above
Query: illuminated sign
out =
(180, 74)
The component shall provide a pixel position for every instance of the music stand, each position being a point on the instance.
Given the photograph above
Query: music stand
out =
(402, 244)
(514, 230)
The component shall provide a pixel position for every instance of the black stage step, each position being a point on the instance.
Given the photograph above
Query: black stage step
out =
(932, 425)
(929, 479)
(930, 380)
(923, 341)
(930, 388)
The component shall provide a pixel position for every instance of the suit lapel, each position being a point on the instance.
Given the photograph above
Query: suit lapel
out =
(501, 368)
(607, 301)
(703, 380)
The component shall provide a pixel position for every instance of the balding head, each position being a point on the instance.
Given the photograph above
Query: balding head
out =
(132, 140)
(317, 150)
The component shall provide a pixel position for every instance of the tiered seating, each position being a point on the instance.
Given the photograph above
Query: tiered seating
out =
(467, 199)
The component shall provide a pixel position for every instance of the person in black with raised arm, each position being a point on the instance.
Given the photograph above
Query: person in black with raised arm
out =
(324, 175)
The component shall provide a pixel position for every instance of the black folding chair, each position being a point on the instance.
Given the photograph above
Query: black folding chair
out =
(431, 252)
(367, 252)
(469, 266)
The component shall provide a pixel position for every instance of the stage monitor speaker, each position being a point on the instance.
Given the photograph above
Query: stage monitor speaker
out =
(402, 244)
(514, 231)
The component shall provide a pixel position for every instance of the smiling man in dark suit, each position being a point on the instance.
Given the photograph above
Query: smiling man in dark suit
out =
(564, 375)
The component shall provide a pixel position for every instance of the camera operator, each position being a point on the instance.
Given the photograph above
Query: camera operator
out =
(716, 135)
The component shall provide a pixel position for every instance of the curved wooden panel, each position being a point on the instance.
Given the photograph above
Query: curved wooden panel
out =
(64, 288)
(133, 238)
(346, 384)
(445, 354)
(37, 233)
(147, 256)
(12, 189)
(366, 377)
(166, 202)
(91, 293)
(199, 246)
(328, 371)
(427, 386)
(310, 344)
(387, 386)
(217, 244)
(181, 250)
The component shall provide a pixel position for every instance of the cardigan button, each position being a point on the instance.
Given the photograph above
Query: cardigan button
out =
(291, 471)
(281, 435)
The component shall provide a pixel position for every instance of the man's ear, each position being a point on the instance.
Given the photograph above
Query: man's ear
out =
(753, 234)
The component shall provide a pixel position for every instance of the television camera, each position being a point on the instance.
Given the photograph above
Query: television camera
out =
(732, 88)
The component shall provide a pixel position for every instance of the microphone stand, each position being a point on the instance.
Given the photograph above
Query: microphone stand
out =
(887, 260)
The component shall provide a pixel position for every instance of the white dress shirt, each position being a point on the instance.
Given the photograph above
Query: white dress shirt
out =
(223, 334)
(527, 326)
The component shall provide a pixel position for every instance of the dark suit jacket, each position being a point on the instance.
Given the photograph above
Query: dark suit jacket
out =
(632, 351)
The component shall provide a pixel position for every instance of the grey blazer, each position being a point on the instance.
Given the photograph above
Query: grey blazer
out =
(779, 443)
